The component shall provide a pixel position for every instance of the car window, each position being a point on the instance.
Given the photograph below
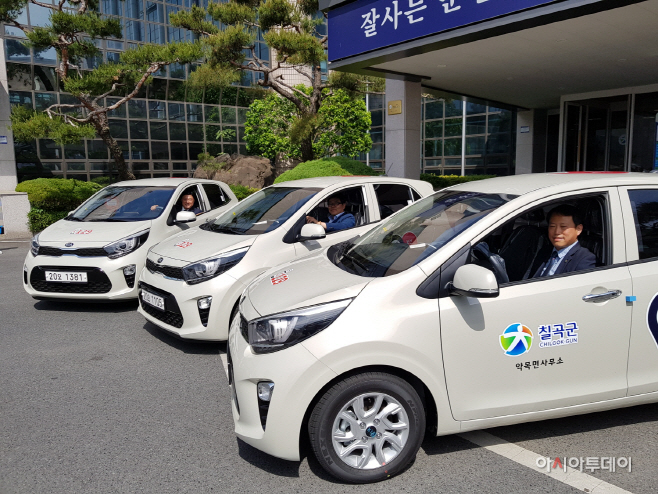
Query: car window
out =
(644, 203)
(392, 197)
(355, 206)
(216, 196)
(125, 203)
(262, 212)
(416, 233)
(520, 249)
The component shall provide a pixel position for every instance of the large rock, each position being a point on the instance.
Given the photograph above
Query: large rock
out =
(283, 164)
(250, 171)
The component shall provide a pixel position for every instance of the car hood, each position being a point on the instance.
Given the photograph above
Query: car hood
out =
(196, 244)
(309, 281)
(89, 233)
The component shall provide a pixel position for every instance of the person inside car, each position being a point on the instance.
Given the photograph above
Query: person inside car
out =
(187, 204)
(564, 227)
(338, 218)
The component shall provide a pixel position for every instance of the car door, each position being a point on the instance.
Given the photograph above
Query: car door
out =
(364, 219)
(539, 344)
(391, 197)
(640, 209)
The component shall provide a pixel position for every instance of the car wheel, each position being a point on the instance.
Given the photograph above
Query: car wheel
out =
(367, 428)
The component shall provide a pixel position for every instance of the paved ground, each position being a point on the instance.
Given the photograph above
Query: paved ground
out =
(92, 399)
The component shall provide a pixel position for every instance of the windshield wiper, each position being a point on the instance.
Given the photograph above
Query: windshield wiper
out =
(226, 229)
(72, 218)
(110, 219)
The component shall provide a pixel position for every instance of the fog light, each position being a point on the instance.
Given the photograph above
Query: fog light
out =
(204, 303)
(265, 390)
(129, 270)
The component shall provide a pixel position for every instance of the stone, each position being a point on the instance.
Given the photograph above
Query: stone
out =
(251, 171)
(283, 164)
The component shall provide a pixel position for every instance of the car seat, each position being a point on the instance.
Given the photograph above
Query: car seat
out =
(592, 236)
(522, 247)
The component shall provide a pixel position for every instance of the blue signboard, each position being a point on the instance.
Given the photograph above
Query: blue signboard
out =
(367, 25)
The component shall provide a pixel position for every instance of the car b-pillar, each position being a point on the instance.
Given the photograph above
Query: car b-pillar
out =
(402, 113)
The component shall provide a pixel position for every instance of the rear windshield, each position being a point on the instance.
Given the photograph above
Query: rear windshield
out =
(124, 204)
(415, 233)
(263, 211)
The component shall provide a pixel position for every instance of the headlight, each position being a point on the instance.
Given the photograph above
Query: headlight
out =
(126, 245)
(35, 245)
(209, 268)
(279, 331)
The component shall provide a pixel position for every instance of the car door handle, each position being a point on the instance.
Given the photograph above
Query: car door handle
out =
(601, 297)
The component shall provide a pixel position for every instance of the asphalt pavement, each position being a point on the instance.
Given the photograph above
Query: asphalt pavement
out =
(94, 399)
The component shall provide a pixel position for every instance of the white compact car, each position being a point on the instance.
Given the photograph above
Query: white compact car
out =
(454, 315)
(97, 250)
(192, 281)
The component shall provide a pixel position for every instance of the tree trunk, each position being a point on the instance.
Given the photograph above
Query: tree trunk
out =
(307, 149)
(117, 154)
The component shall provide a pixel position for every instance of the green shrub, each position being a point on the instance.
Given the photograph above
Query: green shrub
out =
(104, 180)
(39, 219)
(57, 194)
(443, 181)
(326, 167)
(242, 191)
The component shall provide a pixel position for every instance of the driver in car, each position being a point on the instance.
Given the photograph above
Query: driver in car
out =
(564, 227)
(187, 204)
(338, 218)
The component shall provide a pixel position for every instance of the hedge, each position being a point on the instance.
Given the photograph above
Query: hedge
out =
(326, 167)
(51, 199)
(443, 181)
(242, 191)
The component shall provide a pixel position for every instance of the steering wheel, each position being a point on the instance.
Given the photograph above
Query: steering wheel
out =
(392, 238)
(496, 263)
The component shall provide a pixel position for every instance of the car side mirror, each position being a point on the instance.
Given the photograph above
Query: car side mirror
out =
(185, 217)
(474, 281)
(312, 231)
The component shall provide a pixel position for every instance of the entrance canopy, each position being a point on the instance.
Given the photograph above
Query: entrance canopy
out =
(520, 53)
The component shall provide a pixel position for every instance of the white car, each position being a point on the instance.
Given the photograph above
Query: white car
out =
(192, 281)
(96, 252)
(461, 326)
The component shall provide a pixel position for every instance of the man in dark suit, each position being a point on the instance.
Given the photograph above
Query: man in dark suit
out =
(187, 204)
(564, 227)
(338, 218)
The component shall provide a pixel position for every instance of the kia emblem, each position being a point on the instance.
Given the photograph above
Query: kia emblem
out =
(69, 244)
(160, 260)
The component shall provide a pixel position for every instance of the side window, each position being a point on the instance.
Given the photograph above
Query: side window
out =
(216, 196)
(645, 214)
(393, 197)
(355, 206)
(522, 248)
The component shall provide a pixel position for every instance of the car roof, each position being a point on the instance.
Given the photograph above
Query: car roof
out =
(343, 180)
(162, 182)
(523, 184)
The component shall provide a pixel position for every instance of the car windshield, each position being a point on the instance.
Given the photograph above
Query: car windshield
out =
(415, 233)
(263, 212)
(126, 203)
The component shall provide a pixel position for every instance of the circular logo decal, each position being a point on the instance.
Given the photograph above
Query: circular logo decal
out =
(652, 317)
(160, 260)
(409, 238)
(68, 244)
(516, 339)
(371, 431)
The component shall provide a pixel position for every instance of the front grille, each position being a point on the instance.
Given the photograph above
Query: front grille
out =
(244, 328)
(171, 315)
(55, 252)
(97, 280)
(168, 271)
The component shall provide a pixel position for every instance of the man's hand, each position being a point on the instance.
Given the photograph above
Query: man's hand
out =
(311, 219)
(154, 207)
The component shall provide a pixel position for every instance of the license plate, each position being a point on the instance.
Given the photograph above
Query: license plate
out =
(152, 299)
(66, 277)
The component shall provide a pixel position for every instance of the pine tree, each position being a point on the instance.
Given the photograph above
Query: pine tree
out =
(292, 29)
(72, 34)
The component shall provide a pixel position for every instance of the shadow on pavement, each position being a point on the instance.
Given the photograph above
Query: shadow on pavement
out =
(86, 306)
(186, 346)
(270, 464)
(576, 424)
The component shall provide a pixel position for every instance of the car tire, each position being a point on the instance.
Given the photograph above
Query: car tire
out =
(367, 428)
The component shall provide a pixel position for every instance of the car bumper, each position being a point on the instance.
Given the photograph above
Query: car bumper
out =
(297, 376)
(106, 278)
(181, 316)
